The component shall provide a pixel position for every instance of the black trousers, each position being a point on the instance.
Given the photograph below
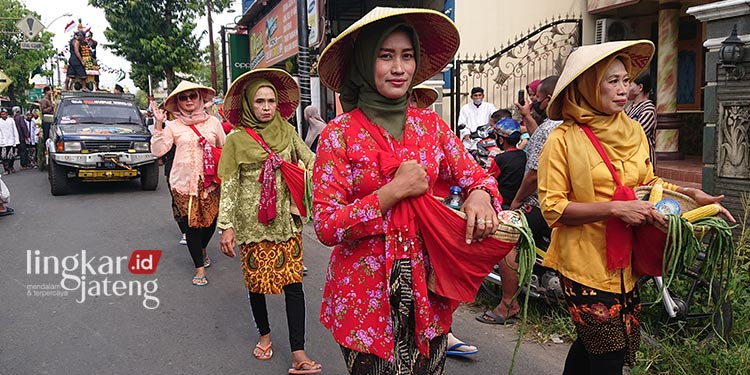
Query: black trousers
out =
(294, 297)
(45, 131)
(581, 362)
(197, 239)
(23, 155)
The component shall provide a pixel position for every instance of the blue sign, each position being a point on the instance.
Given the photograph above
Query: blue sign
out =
(246, 4)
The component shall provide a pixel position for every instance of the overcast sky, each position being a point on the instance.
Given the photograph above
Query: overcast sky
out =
(94, 17)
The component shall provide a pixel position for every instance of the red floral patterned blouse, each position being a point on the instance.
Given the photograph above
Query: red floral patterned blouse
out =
(347, 215)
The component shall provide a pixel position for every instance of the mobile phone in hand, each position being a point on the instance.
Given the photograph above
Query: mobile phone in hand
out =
(521, 97)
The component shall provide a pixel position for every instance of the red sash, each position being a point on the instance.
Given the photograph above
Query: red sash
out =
(294, 176)
(211, 156)
(459, 267)
(648, 252)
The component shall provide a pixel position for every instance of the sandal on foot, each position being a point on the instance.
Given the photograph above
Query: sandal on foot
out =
(8, 211)
(489, 317)
(455, 350)
(200, 281)
(306, 367)
(206, 262)
(266, 353)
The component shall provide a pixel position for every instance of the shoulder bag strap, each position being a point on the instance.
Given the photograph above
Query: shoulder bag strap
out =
(602, 154)
(200, 136)
(258, 139)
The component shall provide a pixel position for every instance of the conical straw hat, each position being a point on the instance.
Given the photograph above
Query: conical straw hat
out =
(170, 103)
(438, 42)
(285, 85)
(583, 58)
(424, 95)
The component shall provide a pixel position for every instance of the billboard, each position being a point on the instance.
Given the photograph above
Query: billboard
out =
(239, 55)
(274, 38)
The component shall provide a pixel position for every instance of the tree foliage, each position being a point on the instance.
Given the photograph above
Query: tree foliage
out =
(201, 72)
(19, 64)
(157, 36)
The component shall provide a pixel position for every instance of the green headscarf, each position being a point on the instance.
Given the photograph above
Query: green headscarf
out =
(359, 89)
(241, 148)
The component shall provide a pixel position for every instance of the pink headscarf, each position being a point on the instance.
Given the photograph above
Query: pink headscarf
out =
(198, 115)
(534, 85)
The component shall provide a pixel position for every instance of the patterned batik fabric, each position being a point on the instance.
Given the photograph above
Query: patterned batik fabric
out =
(269, 266)
(201, 210)
(407, 359)
(603, 322)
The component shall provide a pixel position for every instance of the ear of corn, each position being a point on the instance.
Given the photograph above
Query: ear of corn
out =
(657, 192)
(701, 212)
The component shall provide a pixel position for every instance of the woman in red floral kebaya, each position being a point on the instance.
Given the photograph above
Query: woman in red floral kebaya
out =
(376, 301)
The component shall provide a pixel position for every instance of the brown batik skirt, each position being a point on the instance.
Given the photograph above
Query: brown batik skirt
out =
(605, 322)
(269, 266)
(201, 211)
(408, 360)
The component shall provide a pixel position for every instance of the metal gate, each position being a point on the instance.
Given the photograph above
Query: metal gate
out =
(539, 54)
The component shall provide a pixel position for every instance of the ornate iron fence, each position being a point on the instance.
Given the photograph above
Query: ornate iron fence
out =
(539, 54)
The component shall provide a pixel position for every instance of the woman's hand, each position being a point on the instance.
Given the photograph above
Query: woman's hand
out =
(703, 198)
(228, 242)
(410, 180)
(637, 212)
(481, 218)
(159, 114)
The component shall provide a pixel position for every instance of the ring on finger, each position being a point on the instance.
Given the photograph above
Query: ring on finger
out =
(480, 221)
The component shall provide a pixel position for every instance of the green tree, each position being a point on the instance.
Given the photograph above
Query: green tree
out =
(201, 72)
(19, 64)
(156, 36)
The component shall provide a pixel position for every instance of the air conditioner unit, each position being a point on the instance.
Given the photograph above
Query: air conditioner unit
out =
(610, 30)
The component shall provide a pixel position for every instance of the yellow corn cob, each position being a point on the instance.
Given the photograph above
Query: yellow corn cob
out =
(701, 212)
(657, 192)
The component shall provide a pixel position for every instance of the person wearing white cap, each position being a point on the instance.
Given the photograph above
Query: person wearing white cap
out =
(587, 171)
(9, 140)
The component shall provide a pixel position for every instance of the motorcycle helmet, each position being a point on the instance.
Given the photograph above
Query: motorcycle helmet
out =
(508, 128)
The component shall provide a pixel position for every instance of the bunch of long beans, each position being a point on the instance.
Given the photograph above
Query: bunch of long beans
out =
(683, 246)
(526, 258)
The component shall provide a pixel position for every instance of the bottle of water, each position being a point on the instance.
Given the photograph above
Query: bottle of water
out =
(454, 200)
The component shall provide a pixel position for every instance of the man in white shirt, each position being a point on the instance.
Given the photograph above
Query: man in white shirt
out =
(8, 141)
(474, 115)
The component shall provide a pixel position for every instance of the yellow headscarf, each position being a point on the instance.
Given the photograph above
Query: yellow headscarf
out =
(619, 135)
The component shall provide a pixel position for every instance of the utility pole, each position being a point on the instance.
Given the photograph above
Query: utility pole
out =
(211, 45)
(303, 57)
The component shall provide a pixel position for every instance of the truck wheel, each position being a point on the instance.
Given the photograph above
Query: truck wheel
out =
(58, 179)
(150, 176)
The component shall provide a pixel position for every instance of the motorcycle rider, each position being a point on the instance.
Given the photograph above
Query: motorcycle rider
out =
(474, 115)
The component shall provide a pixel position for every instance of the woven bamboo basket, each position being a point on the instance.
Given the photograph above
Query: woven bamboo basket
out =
(505, 232)
(686, 204)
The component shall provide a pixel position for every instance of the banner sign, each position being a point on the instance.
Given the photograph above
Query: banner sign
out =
(312, 23)
(246, 4)
(274, 38)
(239, 55)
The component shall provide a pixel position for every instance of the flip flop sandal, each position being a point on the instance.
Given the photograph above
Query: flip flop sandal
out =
(312, 368)
(266, 353)
(8, 211)
(206, 262)
(454, 350)
(489, 317)
(200, 281)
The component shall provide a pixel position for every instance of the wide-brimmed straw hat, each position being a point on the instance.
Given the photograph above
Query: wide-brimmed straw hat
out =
(438, 43)
(585, 57)
(424, 95)
(285, 85)
(170, 103)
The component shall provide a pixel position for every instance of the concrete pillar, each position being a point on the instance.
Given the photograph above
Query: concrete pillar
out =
(668, 125)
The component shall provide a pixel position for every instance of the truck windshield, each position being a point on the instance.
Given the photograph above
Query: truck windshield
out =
(98, 111)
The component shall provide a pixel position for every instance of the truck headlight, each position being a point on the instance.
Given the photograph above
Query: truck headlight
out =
(72, 146)
(142, 146)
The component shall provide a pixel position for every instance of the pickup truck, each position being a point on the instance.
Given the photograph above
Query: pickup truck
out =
(99, 136)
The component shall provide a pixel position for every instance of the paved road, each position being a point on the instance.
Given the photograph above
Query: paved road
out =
(193, 330)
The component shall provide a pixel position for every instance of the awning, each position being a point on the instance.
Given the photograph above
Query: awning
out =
(599, 6)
